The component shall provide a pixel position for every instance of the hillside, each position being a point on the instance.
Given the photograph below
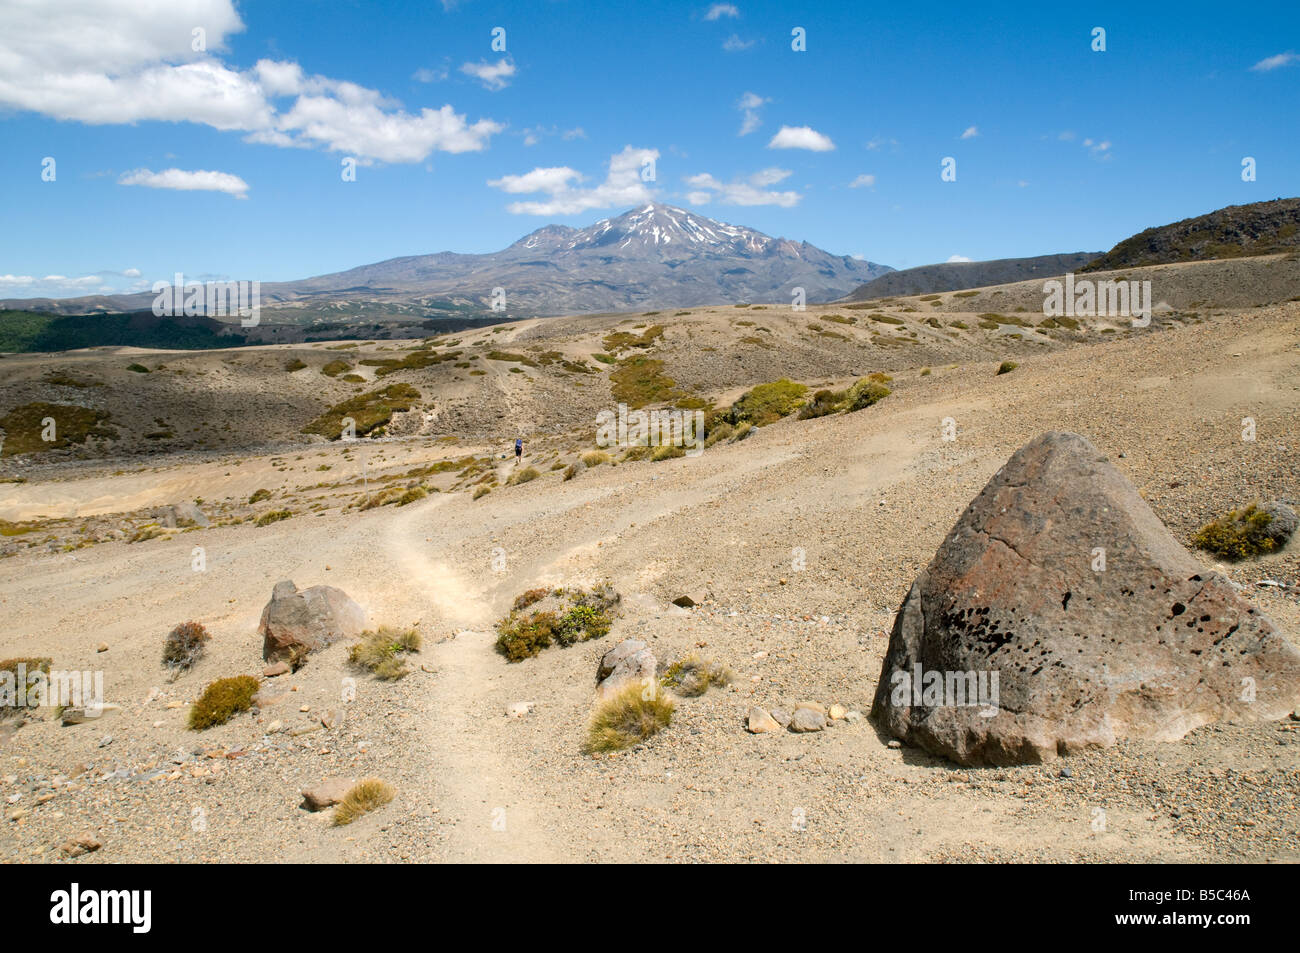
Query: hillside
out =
(962, 275)
(1238, 231)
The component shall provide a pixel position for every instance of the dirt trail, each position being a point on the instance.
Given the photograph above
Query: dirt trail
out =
(486, 794)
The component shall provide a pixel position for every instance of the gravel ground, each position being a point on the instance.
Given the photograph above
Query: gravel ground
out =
(807, 535)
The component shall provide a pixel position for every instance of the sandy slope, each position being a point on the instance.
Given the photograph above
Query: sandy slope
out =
(867, 497)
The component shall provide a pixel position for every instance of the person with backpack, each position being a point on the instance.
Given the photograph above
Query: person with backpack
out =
(519, 449)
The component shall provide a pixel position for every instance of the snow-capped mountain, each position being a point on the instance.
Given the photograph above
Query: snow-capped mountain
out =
(653, 256)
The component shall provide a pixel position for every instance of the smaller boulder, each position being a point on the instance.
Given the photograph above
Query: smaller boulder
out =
(807, 719)
(84, 843)
(760, 722)
(630, 660)
(781, 717)
(296, 622)
(326, 794)
(1283, 524)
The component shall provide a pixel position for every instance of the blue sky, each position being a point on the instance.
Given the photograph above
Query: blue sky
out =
(226, 161)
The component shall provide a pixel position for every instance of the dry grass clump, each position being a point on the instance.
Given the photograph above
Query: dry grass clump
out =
(222, 700)
(526, 475)
(693, 675)
(9, 685)
(627, 717)
(272, 516)
(666, 452)
(719, 431)
(258, 496)
(1241, 534)
(594, 458)
(184, 647)
(364, 797)
(380, 652)
(1006, 367)
(481, 491)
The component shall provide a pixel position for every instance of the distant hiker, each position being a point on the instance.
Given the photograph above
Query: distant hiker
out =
(519, 449)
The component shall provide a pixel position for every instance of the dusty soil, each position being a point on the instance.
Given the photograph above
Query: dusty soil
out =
(807, 535)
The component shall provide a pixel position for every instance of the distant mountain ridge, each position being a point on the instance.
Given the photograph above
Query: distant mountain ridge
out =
(1237, 231)
(963, 275)
(654, 256)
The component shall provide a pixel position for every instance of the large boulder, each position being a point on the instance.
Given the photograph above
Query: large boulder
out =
(1060, 613)
(295, 622)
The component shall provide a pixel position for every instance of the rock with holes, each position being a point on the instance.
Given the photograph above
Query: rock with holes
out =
(1060, 614)
(296, 622)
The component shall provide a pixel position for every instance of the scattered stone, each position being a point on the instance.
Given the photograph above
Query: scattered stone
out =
(273, 671)
(781, 717)
(1152, 647)
(85, 843)
(295, 623)
(812, 706)
(837, 712)
(761, 722)
(807, 719)
(1067, 773)
(102, 647)
(331, 718)
(326, 794)
(519, 709)
(894, 744)
(1283, 524)
(691, 599)
(81, 715)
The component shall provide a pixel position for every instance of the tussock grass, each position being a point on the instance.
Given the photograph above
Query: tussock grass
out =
(380, 652)
(767, 403)
(594, 458)
(370, 411)
(526, 475)
(222, 700)
(627, 717)
(364, 797)
(694, 675)
(1006, 367)
(272, 516)
(24, 426)
(30, 665)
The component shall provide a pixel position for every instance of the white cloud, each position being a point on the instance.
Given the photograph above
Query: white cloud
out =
(123, 61)
(577, 132)
(734, 43)
(493, 76)
(430, 74)
(623, 186)
(958, 258)
(865, 179)
(750, 191)
(879, 141)
(749, 105)
(970, 133)
(200, 180)
(1066, 136)
(1276, 62)
(801, 137)
(720, 10)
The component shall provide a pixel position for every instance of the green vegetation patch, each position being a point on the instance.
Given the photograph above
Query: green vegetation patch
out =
(565, 617)
(371, 411)
(1241, 534)
(382, 652)
(25, 427)
(622, 340)
(767, 403)
(222, 700)
(640, 380)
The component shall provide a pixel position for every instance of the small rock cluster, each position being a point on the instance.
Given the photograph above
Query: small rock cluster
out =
(807, 716)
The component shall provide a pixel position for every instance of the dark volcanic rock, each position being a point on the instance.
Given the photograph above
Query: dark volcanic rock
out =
(1060, 613)
(296, 622)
